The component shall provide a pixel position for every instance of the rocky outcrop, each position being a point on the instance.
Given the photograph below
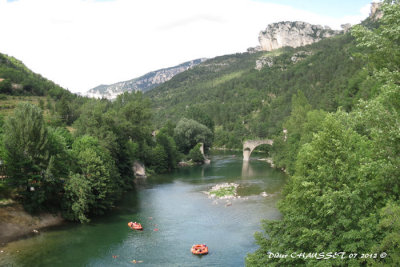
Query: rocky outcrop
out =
(269, 61)
(143, 83)
(292, 34)
(300, 56)
(262, 61)
(376, 12)
(139, 170)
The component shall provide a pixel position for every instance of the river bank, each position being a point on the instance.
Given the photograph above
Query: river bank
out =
(172, 209)
(16, 223)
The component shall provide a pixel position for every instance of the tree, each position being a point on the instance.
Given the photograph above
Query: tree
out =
(117, 125)
(36, 157)
(345, 193)
(63, 108)
(169, 146)
(197, 114)
(300, 126)
(293, 125)
(2, 148)
(58, 148)
(389, 231)
(96, 165)
(79, 198)
(41, 103)
(135, 111)
(5, 87)
(25, 140)
(328, 201)
(381, 46)
(159, 159)
(189, 132)
(195, 154)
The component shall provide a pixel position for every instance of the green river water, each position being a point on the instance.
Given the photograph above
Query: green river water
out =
(175, 214)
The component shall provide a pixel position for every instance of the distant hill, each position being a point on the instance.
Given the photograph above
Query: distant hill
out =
(20, 84)
(17, 79)
(142, 83)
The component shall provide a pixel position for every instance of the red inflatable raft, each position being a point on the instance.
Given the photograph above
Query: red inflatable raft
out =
(135, 226)
(199, 249)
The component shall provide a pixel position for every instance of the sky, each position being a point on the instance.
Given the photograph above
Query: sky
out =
(80, 44)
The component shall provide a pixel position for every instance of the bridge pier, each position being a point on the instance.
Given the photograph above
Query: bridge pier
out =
(246, 154)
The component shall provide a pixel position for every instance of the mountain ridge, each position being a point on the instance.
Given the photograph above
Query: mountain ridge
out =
(142, 83)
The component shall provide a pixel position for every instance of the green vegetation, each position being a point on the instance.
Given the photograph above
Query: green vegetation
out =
(344, 192)
(224, 191)
(245, 103)
(17, 79)
(333, 115)
(8, 103)
(195, 154)
(189, 133)
(60, 152)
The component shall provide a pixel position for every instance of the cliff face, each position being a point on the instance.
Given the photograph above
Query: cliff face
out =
(293, 34)
(376, 12)
(143, 83)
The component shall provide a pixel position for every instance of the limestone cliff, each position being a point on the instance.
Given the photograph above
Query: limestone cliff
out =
(143, 83)
(376, 12)
(293, 34)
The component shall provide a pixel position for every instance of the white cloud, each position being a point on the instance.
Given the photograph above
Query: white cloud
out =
(80, 44)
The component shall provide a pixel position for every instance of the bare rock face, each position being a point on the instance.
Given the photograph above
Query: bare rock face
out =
(262, 61)
(265, 61)
(139, 170)
(293, 34)
(376, 12)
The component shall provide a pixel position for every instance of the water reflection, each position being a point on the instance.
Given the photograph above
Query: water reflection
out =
(247, 170)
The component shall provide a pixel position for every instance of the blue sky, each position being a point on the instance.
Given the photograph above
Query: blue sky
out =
(80, 44)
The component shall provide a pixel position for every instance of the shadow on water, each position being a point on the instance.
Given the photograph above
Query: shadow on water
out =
(175, 214)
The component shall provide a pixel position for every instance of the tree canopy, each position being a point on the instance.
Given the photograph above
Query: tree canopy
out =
(344, 191)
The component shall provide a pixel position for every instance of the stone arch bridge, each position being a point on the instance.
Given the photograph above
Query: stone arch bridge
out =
(250, 145)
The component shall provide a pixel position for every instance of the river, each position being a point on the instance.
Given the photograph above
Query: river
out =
(175, 214)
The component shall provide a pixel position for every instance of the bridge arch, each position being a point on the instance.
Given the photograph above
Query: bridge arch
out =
(250, 145)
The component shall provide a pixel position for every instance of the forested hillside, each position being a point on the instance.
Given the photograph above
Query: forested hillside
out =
(248, 103)
(341, 206)
(17, 79)
(20, 84)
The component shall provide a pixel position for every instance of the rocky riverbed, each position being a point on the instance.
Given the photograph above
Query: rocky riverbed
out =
(223, 191)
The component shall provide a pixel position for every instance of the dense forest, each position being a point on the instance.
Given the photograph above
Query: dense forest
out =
(63, 152)
(338, 101)
(343, 194)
